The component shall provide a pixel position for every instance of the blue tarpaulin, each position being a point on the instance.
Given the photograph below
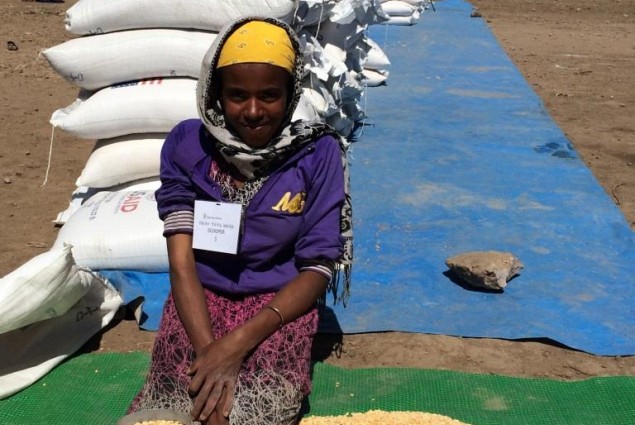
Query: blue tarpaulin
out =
(459, 154)
(462, 156)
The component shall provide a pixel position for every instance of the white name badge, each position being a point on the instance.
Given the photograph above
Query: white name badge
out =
(216, 226)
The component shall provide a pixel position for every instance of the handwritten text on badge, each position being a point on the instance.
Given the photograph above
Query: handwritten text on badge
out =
(216, 226)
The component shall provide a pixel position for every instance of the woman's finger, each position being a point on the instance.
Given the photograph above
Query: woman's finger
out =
(227, 402)
(217, 418)
(211, 401)
(195, 385)
(200, 399)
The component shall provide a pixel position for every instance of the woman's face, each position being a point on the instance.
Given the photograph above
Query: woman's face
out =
(254, 100)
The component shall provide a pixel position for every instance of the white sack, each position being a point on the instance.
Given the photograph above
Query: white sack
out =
(376, 58)
(316, 100)
(149, 184)
(31, 352)
(101, 16)
(43, 288)
(312, 12)
(398, 8)
(320, 97)
(122, 159)
(117, 230)
(78, 197)
(83, 193)
(373, 77)
(146, 106)
(99, 61)
(341, 123)
(336, 57)
(350, 38)
(306, 111)
(315, 61)
(343, 36)
(403, 20)
(417, 3)
(364, 11)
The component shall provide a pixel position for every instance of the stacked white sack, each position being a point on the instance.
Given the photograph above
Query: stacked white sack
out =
(137, 107)
(83, 193)
(95, 62)
(359, 52)
(116, 230)
(136, 157)
(312, 12)
(128, 115)
(99, 16)
(337, 49)
(376, 66)
(404, 12)
(367, 12)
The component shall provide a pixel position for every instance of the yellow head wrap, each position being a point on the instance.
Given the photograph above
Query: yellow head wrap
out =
(258, 42)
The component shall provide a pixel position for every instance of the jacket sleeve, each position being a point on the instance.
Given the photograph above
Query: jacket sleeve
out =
(320, 238)
(176, 193)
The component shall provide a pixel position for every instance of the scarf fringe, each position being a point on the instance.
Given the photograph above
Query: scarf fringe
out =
(339, 286)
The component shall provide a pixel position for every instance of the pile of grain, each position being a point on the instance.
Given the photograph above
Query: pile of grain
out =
(159, 422)
(380, 417)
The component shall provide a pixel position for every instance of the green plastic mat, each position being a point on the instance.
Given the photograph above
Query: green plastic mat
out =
(95, 389)
(475, 398)
(90, 389)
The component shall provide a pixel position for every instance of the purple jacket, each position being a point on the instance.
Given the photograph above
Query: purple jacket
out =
(276, 237)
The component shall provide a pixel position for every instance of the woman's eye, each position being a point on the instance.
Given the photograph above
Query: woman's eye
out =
(270, 96)
(236, 96)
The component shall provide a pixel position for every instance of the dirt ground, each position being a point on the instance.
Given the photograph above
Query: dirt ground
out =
(579, 57)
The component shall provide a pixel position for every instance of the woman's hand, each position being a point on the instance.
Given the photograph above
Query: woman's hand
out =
(216, 367)
(214, 375)
(217, 418)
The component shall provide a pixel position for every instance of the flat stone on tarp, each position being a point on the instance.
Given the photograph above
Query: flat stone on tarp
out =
(485, 269)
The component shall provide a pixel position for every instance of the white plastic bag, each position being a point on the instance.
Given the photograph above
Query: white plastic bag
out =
(398, 8)
(146, 106)
(83, 193)
(117, 230)
(373, 77)
(376, 58)
(306, 111)
(364, 11)
(42, 288)
(99, 61)
(101, 16)
(122, 159)
(31, 352)
(312, 12)
(403, 20)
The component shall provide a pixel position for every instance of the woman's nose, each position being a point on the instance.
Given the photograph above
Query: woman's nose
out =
(253, 110)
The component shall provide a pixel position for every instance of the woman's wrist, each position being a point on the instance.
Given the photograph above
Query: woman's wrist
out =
(199, 346)
(276, 310)
(256, 329)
